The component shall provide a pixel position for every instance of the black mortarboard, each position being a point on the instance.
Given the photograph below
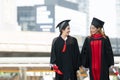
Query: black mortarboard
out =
(97, 23)
(63, 24)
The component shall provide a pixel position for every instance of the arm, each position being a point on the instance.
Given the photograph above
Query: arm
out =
(109, 52)
(77, 55)
(53, 56)
(54, 67)
(84, 53)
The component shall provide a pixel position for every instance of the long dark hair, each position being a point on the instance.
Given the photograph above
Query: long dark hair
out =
(63, 28)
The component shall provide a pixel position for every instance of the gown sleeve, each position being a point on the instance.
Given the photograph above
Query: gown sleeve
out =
(77, 55)
(109, 52)
(53, 56)
(84, 53)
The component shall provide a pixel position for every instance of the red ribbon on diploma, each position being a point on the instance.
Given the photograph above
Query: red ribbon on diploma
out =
(116, 73)
(55, 68)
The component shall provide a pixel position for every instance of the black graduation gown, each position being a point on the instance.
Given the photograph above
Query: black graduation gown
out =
(68, 62)
(107, 58)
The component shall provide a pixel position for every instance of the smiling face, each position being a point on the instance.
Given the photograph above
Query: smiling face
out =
(66, 31)
(93, 30)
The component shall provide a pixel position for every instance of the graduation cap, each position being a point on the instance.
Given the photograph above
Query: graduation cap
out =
(63, 24)
(97, 23)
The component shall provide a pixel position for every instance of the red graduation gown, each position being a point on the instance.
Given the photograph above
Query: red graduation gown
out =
(96, 45)
(103, 51)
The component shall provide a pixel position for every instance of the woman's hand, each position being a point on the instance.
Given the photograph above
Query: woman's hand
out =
(112, 66)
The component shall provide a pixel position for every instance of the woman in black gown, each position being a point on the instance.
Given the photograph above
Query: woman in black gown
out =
(97, 54)
(65, 54)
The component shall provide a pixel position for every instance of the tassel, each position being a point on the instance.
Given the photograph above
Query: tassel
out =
(64, 47)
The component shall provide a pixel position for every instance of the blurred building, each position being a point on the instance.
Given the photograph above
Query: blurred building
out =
(21, 20)
(25, 45)
(45, 16)
(38, 19)
(33, 25)
(27, 28)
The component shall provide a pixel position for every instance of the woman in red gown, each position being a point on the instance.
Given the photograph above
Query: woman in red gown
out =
(97, 54)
